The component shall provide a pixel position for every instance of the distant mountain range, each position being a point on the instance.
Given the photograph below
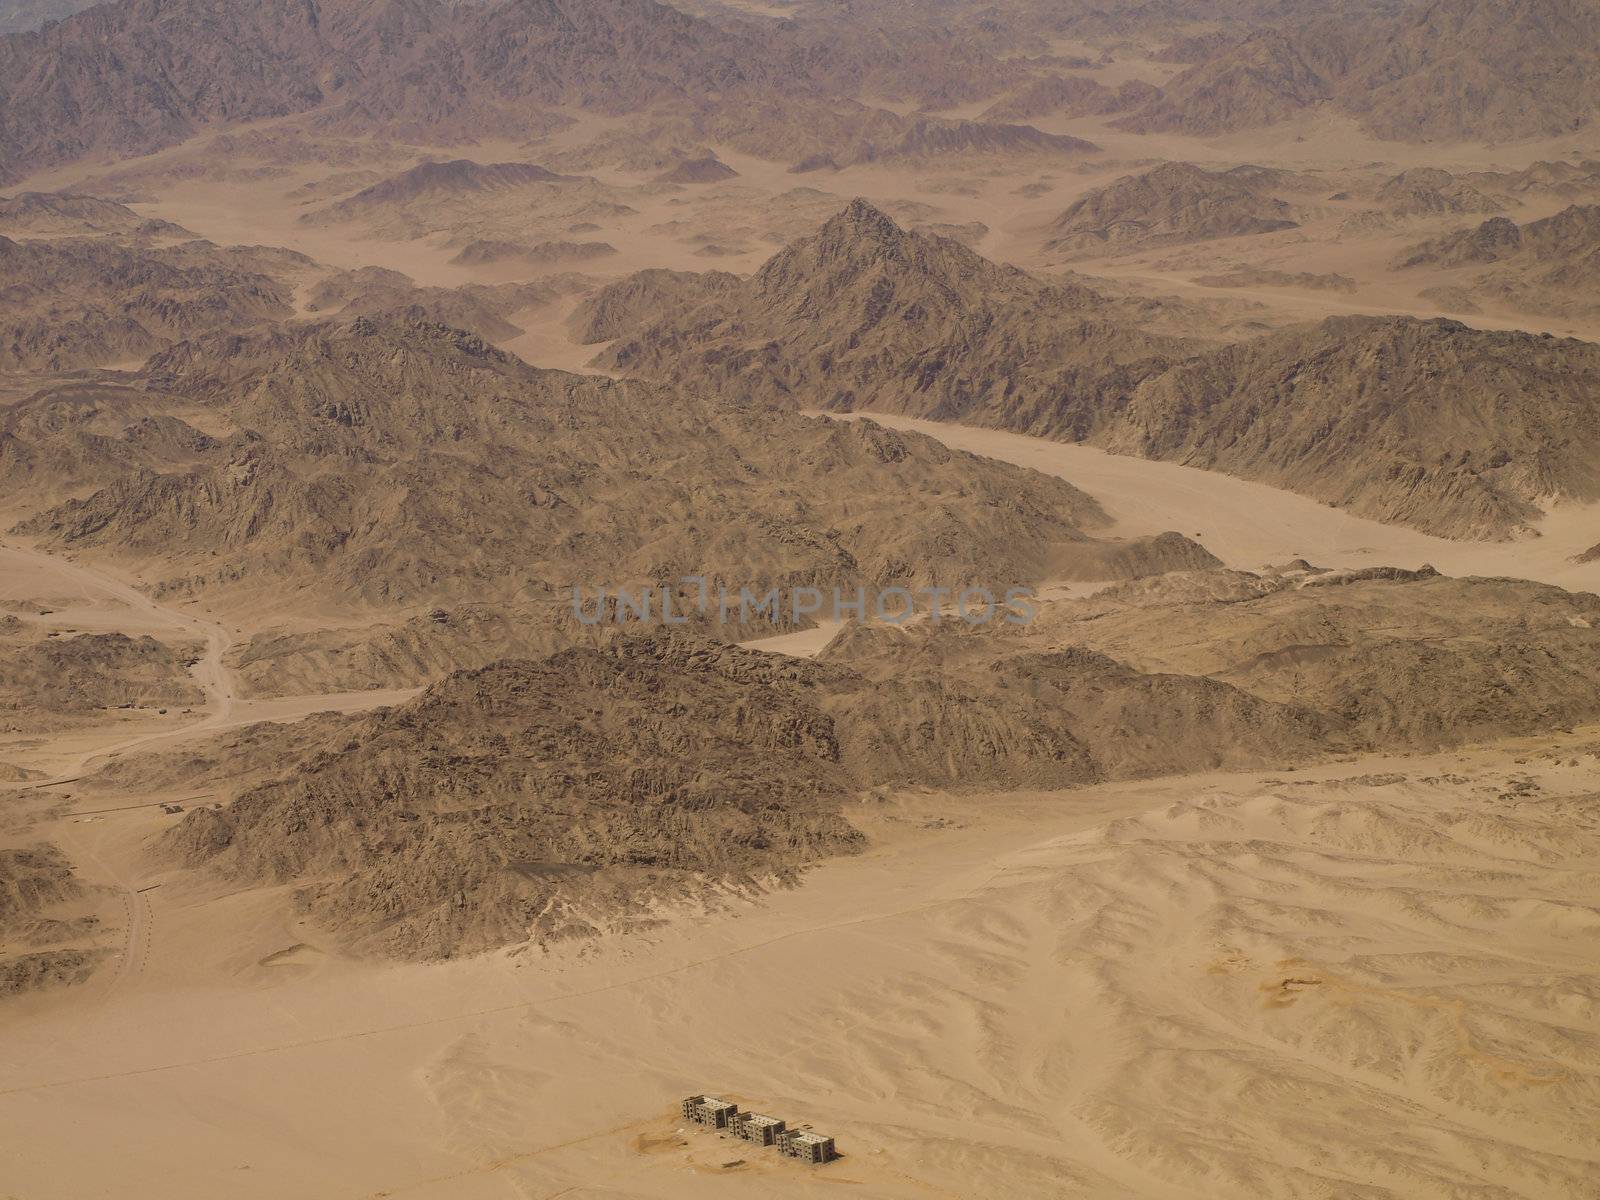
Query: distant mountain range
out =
(1440, 70)
(137, 75)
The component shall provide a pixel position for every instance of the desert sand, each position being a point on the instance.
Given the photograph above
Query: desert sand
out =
(1249, 525)
(1176, 989)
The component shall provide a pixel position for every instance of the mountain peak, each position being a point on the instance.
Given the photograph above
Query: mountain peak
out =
(862, 219)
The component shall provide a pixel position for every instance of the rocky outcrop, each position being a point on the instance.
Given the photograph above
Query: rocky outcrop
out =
(1456, 431)
(1170, 205)
(866, 314)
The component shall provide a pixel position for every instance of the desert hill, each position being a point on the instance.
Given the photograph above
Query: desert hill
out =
(407, 650)
(546, 799)
(43, 942)
(927, 138)
(1254, 277)
(1566, 180)
(398, 462)
(57, 215)
(31, 881)
(18, 16)
(1547, 266)
(1462, 432)
(489, 253)
(466, 201)
(945, 706)
(1430, 192)
(814, 133)
(52, 682)
(1447, 70)
(864, 313)
(558, 797)
(709, 169)
(1261, 81)
(1410, 659)
(641, 298)
(524, 807)
(83, 301)
(1172, 204)
(1069, 95)
(433, 182)
(66, 440)
(484, 309)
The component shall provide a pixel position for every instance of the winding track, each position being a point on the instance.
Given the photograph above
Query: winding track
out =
(211, 671)
(222, 710)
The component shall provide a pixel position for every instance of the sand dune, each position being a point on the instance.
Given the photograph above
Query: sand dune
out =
(1370, 980)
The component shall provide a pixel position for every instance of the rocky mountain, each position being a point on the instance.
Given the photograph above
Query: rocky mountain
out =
(1544, 266)
(1260, 81)
(866, 314)
(398, 462)
(543, 798)
(1069, 96)
(1460, 432)
(1456, 431)
(1486, 69)
(1171, 204)
(132, 77)
(84, 301)
(1443, 70)
(50, 682)
(642, 298)
(564, 796)
(136, 75)
(1430, 192)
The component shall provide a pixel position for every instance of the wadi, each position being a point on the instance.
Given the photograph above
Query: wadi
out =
(609, 598)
